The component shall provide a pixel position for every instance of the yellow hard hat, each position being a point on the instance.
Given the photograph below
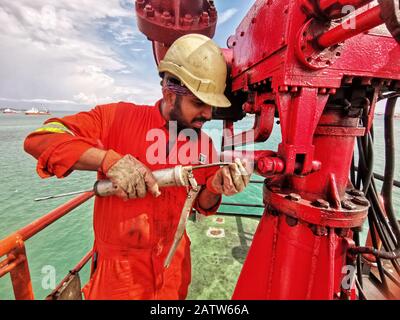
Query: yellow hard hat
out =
(199, 64)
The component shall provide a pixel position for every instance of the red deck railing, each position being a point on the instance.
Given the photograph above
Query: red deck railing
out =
(13, 247)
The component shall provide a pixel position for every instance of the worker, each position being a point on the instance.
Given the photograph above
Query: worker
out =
(135, 228)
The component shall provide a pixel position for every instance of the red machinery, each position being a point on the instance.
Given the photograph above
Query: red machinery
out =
(293, 60)
(296, 60)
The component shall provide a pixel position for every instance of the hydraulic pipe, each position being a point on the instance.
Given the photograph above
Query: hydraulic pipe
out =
(326, 4)
(365, 21)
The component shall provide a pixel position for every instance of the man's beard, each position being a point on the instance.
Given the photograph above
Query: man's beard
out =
(176, 115)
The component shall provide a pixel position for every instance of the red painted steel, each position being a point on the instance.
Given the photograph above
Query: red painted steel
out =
(363, 22)
(300, 246)
(20, 275)
(164, 21)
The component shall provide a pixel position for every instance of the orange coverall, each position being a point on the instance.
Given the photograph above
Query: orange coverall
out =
(132, 238)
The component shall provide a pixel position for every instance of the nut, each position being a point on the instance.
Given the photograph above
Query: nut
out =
(348, 205)
(321, 203)
(355, 192)
(361, 201)
(319, 230)
(293, 197)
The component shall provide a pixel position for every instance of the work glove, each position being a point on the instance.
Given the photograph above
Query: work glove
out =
(131, 178)
(230, 179)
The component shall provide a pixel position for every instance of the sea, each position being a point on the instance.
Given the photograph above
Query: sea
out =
(61, 245)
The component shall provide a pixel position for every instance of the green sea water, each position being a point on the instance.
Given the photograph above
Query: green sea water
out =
(216, 261)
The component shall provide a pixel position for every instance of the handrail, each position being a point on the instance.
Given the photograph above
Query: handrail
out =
(23, 234)
(16, 262)
(72, 272)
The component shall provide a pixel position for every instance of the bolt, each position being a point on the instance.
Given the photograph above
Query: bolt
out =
(348, 79)
(253, 20)
(242, 33)
(265, 165)
(293, 197)
(274, 189)
(213, 11)
(366, 81)
(187, 20)
(361, 201)
(322, 90)
(205, 18)
(140, 4)
(321, 203)
(149, 11)
(283, 88)
(315, 165)
(319, 230)
(341, 232)
(166, 17)
(291, 221)
(348, 205)
(355, 192)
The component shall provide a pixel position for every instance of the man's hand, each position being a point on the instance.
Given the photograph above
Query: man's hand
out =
(230, 179)
(131, 177)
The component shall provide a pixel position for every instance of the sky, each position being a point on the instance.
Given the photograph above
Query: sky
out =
(75, 54)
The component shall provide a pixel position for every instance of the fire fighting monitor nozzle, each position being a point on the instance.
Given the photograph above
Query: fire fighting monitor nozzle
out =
(175, 176)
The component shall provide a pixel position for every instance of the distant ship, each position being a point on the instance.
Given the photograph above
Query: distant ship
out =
(8, 110)
(37, 112)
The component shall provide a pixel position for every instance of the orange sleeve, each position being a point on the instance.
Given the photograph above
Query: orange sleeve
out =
(203, 176)
(62, 150)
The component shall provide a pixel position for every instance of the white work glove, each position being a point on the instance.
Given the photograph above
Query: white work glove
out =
(131, 177)
(229, 180)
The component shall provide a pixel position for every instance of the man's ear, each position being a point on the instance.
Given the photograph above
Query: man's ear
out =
(169, 97)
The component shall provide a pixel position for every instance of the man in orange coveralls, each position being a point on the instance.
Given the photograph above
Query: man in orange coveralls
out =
(134, 230)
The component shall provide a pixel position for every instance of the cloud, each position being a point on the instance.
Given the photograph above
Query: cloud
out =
(73, 52)
(39, 101)
(226, 15)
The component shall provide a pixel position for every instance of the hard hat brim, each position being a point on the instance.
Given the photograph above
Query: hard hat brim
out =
(213, 99)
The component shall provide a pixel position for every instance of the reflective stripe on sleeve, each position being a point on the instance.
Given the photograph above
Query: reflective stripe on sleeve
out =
(55, 127)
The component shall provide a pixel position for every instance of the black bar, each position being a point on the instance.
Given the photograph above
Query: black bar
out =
(257, 181)
(234, 214)
(242, 205)
(380, 177)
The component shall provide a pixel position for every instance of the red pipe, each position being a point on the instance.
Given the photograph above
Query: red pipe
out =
(83, 262)
(364, 22)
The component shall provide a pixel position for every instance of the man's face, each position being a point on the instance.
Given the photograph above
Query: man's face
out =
(190, 112)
